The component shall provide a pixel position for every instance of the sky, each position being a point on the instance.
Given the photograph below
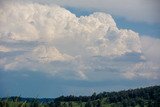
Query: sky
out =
(51, 48)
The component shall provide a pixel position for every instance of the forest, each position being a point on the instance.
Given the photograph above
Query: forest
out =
(140, 97)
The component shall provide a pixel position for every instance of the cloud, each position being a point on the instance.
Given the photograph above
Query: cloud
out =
(137, 10)
(4, 49)
(147, 70)
(150, 67)
(150, 48)
(50, 39)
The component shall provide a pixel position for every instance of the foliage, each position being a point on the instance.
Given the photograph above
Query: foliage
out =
(142, 97)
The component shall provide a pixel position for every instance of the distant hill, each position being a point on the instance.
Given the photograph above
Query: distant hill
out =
(141, 97)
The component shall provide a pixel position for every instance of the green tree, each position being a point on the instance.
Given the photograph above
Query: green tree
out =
(51, 104)
(88, 104)
(64, 105)
(99, 104)
(57, 104)
(70, 104)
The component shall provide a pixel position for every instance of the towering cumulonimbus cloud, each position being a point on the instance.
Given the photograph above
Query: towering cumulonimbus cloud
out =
(96, 33)
(51, 39)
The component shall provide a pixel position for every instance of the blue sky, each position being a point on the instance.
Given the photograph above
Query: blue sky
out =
(38, 84)
(40, 57)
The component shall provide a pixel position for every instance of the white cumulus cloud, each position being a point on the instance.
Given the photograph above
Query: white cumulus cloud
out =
(50, 39)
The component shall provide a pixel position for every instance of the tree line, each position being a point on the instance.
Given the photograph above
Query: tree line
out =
(141, 97)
